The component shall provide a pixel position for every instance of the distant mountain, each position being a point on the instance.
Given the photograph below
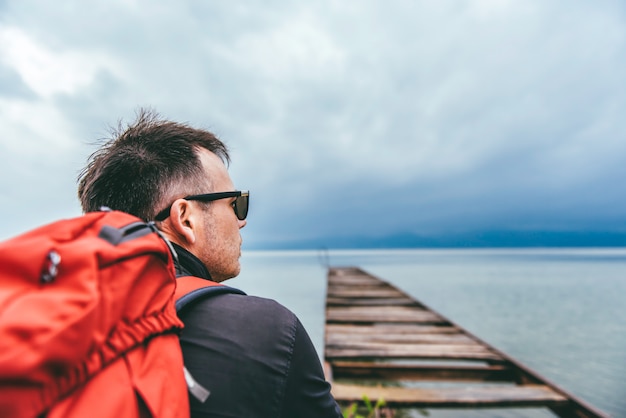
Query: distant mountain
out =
(478, 239)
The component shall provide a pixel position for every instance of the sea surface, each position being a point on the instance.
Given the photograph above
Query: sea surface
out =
(561, 312)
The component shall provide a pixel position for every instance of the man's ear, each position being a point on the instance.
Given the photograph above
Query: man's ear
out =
(183, 222)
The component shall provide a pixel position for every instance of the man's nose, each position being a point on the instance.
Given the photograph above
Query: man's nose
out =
(242, 223)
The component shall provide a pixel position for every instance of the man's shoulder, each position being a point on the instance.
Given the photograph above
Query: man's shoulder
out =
(251, 302)
(250, 323)
(233, 306)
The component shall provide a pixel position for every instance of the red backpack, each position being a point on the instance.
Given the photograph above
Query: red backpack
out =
(88, 324)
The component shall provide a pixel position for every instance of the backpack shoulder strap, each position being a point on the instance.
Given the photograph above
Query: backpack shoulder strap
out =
(190, 289)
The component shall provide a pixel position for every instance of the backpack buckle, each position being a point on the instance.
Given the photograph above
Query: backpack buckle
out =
(51, 268)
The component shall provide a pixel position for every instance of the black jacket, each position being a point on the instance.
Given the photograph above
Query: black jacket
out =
(253, 355)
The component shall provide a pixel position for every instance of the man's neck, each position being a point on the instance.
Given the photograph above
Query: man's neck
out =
(189, 264)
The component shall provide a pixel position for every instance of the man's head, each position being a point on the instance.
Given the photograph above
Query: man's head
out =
(151, 165)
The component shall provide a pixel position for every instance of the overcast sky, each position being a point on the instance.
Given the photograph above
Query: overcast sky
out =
(345, 118)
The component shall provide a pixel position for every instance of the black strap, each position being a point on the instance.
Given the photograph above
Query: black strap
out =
(196, 389)
(204, 292)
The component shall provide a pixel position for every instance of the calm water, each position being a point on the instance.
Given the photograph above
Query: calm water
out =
(559, 311)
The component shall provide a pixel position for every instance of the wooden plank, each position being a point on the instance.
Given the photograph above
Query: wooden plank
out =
(416, 351)
(478, 372)
(381, 314)
(469, 395)
(383, 328)
(380, 311)
(361, 285)
(367, 345)
(336, 339)
(346, 271)
(346, 301)
(357, 292)
(354, 280)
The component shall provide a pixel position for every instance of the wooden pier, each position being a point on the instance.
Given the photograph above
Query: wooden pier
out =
(383, 344)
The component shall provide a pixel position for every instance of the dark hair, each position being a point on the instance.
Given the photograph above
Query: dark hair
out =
(146, 163)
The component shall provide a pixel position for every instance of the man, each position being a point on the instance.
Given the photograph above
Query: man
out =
(252, 354)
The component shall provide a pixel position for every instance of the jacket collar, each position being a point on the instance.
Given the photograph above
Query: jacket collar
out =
(189, 264)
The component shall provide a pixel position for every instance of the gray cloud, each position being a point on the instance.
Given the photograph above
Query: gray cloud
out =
(350, 118)
(12, 85)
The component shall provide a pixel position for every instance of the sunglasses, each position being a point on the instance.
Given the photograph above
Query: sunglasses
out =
(240, 205)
